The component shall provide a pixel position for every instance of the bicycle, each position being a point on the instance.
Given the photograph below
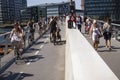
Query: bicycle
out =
(30, 38)
(17, 52)
(54, 37)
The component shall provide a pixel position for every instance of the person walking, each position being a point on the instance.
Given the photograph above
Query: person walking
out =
(88, 24)
(95, 34)
(107, 32)
(79, 22)
(53, 27)
(30, 24)
(17, 35)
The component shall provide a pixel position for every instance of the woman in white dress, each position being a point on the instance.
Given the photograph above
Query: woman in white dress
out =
(95, 34)
(17, 35)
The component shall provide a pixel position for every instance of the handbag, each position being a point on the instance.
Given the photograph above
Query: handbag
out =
(15, 38)
(100, 35)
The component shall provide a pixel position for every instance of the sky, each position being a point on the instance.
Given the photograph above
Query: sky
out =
(36, 2)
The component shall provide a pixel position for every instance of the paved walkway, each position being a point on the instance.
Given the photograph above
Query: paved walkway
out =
(112, 58)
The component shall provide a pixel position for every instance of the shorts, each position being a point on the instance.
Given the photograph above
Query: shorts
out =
(32, 30)
(107, 35)
(53, 30)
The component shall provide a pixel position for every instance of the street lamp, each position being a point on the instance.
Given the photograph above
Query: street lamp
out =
(72, 11)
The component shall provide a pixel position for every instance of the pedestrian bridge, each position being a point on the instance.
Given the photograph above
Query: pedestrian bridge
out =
(74, 60)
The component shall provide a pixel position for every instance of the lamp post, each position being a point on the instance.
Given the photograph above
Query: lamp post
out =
(72, 11)
(72, 17)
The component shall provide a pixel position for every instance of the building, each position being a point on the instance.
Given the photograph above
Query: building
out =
(46, 10)
(33, 12)
(10, 10)
(79, 12)
(102, 9)
(82, 4)
(59, 9)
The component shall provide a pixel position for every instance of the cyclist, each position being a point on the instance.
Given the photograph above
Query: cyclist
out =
(17, 37)
(40, 26)
(53, 27)
(30, 24)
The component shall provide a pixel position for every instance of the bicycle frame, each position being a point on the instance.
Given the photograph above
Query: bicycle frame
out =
(17, 53)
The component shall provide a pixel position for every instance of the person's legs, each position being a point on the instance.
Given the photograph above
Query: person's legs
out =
(106, 42)
(79, 28)
(109, 41)
(50, 34)
(109, 44)
(94, 44)
(33, 35)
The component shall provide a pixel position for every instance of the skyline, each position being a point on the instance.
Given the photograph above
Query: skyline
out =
(36, 2)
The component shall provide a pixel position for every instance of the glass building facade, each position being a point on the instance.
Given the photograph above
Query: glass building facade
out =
(33, 12)
(10, 10)
(58, 9)
(46, 10)
(102, 9)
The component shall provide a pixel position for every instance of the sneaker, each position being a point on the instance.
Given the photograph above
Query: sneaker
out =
(110, 49)
(20, 50)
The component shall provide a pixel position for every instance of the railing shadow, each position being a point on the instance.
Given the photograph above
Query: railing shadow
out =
(107, 50)
(40, 42)
(113, 49)
(25, 75)
(62, 42)
(6, 75)
(14, 76)
(33, 58)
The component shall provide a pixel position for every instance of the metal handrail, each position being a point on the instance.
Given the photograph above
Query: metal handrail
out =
(116, 29)
(7, 37)
(114, 24)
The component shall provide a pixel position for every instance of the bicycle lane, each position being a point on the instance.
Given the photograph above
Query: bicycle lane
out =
(43, 61)
(8, 59)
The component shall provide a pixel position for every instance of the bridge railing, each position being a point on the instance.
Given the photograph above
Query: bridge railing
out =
(116, 29)
(82, 62)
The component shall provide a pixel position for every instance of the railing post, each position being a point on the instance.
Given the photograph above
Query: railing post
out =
(0, 62)
(6, 44)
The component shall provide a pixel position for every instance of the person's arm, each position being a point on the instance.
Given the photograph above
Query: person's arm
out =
(111, 29)
(11, 34)
(57, 25)
(91, 31)
(99, 31)
(104, 26)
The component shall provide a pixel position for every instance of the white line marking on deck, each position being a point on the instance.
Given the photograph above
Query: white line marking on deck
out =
(36, 53)
(41, 46)
(28, 63)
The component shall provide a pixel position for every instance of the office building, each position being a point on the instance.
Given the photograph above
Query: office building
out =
(10, 10)
(102, 9)
(82, 4)
(34, 13)
(46, 10)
